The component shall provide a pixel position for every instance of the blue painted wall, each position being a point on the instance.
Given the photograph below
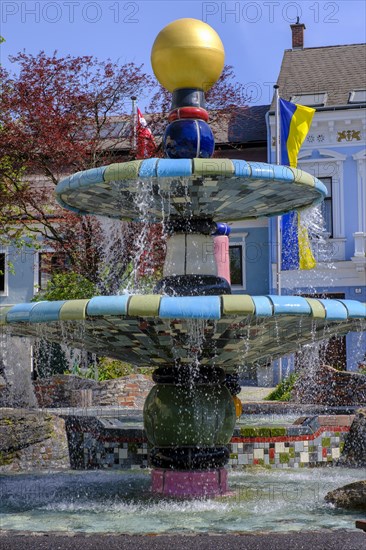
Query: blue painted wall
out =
(256, 259)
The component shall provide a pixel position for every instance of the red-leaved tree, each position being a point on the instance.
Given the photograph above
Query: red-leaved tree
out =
(59, 115)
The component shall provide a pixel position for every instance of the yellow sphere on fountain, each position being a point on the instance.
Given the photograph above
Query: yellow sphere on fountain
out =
(187, 53)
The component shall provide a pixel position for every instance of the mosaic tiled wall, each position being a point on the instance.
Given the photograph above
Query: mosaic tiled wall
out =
(311, 441)
(115, 454)
(287, 453)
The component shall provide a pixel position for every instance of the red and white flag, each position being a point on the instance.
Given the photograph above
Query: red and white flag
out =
(145, 140)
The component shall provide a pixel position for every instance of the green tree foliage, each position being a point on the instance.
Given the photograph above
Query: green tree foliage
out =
(67, 286)
(282, 391)
(112, 368)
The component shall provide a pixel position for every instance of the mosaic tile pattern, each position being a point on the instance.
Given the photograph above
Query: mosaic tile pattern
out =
(114, 454)
(156, 189)
(273, 447)
(275, 326)
(308, 444)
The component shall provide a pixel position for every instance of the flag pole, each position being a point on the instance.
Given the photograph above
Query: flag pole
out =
(278, 161)
(134, 125)
(279, 236)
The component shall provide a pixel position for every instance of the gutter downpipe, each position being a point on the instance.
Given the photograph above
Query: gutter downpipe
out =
(270, 225)
(278, 227)
(134, 124)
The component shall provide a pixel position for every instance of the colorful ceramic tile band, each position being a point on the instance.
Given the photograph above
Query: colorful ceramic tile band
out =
(227, 190)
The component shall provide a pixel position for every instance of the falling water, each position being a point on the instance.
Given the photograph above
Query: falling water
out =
(15, 352)
(114, 249)
(323, 250)
(195, 339)
(125, 246)
(144, 202)
(51, 358)
(244, 370)
(307, 360)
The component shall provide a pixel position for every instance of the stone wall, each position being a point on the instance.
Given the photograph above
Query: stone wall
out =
(36, 440)
(129, 391)
(328, 386)
(73, 391)
(32, 440)
(62, 390)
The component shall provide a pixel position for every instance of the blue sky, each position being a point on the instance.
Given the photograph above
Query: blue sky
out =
(254, 33)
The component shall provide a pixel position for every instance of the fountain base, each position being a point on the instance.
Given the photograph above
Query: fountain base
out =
(189, 483)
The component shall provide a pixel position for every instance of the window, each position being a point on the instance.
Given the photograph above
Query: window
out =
(236, 264)
(327, 206)
(2, 272)
(318, 99)
(357, 96)
(49, 263)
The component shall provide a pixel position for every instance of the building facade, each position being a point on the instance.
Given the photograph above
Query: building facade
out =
(331, 79)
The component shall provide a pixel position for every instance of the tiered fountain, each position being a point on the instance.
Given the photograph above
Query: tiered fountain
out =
(191, 329)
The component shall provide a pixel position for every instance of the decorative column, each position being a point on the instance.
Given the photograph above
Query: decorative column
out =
(193, 265)
(190, 414)
(189, 419)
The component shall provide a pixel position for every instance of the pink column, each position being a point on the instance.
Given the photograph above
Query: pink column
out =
(221, 251)
(189, 483)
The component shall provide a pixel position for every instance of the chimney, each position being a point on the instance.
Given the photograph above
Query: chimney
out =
(298, 35)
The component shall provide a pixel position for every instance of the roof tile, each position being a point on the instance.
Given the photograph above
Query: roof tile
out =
(336, 70)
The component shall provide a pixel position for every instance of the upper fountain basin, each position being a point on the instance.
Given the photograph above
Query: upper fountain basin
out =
(151, 330)
(159, 189)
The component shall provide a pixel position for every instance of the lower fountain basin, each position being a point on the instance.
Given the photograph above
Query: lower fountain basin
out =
(222, 331)
(121, 502)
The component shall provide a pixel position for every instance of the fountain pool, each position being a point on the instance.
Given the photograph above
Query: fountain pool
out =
(121, 502)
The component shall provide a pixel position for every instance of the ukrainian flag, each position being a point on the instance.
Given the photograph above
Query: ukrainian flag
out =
(295, 124)
(296, 250)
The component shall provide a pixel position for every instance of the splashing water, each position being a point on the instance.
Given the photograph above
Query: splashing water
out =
(18, 389)
(196, 329)
(323, 250)
(121, 502)
(114, 251)
(127, 246)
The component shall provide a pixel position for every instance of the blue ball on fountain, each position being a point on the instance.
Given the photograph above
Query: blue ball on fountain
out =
(188, 138)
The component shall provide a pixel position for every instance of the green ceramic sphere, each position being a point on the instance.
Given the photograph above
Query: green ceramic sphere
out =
(181, 416)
